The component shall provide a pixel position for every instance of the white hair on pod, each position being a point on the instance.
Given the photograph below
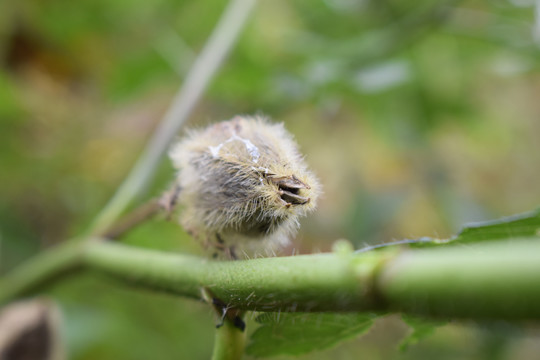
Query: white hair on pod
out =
(242, 186)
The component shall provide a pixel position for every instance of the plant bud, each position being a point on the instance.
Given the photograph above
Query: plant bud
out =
(242, 186)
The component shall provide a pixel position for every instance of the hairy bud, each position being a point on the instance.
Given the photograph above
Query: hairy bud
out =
(242, 185)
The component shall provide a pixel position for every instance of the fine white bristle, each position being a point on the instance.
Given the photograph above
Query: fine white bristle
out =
(243, 184)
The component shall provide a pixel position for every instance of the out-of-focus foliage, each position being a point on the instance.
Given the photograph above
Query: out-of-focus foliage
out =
(300, 333)
(418, 116)
(420, 329)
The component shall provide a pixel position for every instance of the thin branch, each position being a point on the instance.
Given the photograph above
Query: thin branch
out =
(42, 268)
(212, 56)
(65, 257)
(134, 218)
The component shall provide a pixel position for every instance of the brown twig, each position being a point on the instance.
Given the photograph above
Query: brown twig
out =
(166, 204)
(131, 220)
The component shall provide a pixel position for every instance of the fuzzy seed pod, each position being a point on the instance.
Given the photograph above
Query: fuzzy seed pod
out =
(242, 185)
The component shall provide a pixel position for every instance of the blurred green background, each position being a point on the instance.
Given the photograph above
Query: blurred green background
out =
(418, 116)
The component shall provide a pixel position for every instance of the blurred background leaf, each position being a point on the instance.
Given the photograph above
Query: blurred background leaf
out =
(420, 329)
(418, 116)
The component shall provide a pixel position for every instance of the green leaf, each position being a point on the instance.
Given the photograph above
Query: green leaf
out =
(421, 328)
(507, 228)
(300, 333)
(522, 225)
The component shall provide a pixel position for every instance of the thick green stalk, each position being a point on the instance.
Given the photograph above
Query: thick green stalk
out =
(323, 282)
(498, 279)
(486, 280)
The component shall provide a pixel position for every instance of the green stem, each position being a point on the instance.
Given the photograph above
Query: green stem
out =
(322, 282)
(41, 268)
(229, 342)
(497, 279)
(487, 280)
